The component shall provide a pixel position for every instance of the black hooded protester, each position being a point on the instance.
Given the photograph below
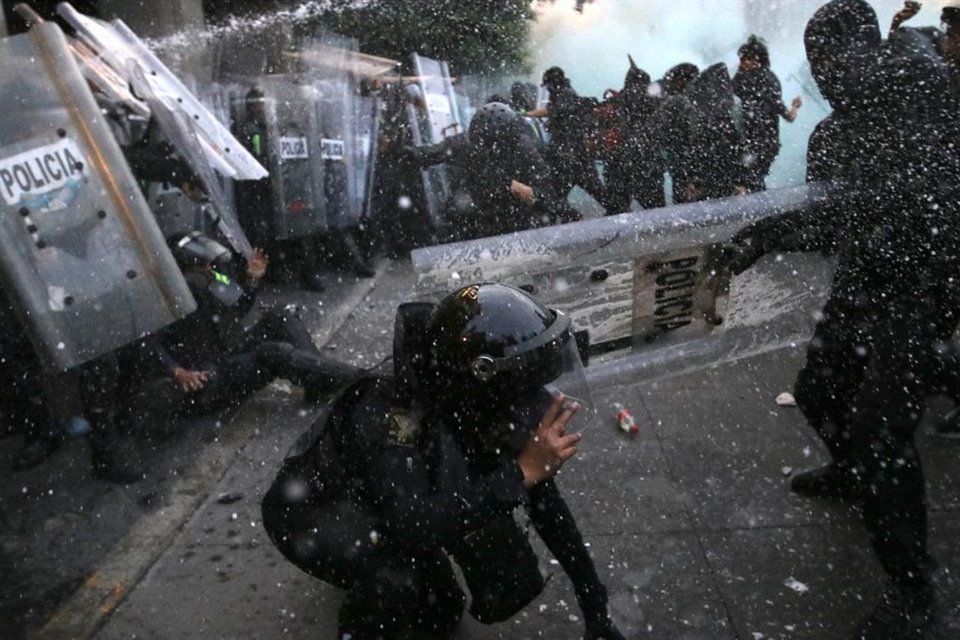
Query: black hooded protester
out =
(635, 169)
(672, 126)
(762, 107)
(889, 148)
(409, 470)
(504, 183)
(710, 163)
(570, 124)
(213, 358)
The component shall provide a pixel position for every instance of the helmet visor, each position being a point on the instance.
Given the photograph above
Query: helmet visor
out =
(572, 383)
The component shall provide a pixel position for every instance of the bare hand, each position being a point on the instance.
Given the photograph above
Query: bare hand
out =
(257, 265)
(548, 448)
(909, 10)
(691, 193)
(796, 103)
(190, 381)
(523, 192)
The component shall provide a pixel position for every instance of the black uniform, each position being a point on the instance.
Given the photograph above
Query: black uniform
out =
(378, 494)
(762, 102)
(241, 361)
(570, 160)
(482, 204)
(713, 159)
(635, 170)
(889, 145)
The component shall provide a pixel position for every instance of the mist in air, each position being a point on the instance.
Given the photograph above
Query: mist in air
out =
(592, 48)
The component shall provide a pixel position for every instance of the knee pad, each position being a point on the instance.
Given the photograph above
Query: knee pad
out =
(501, 570)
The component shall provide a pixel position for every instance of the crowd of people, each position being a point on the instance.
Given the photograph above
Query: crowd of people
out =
(411, 467)
(715, 136)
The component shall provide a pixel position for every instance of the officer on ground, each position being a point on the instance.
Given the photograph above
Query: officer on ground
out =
(411, 469)
(216, 361)
(506, 185)
(762, 103)
(889, 146)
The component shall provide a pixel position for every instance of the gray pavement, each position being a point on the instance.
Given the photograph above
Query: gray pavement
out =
(691, 523)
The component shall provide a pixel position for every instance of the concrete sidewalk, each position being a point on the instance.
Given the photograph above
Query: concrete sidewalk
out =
(691, 523)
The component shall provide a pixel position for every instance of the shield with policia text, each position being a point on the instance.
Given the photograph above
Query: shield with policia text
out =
(651, 288)
(81, 257)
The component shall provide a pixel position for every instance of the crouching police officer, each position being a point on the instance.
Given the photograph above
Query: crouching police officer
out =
(408, 470)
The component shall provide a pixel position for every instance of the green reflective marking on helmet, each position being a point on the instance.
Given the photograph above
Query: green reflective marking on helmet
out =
(221, 278)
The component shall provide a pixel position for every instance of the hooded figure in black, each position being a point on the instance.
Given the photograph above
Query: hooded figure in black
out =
(711, 163)
(762, 103)
(635, 171)
(889, 146)
(410, 470)
(505, 185)
(571, 124)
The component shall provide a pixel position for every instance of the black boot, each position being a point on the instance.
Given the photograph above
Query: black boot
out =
(114, 457)
(829, 481)
(903, 612)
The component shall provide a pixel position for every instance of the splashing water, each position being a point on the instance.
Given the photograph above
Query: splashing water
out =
(195, 38)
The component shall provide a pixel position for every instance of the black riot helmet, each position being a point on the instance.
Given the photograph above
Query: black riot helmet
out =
(196, 249)
(495, 124)
(494, 346)
(842, 41)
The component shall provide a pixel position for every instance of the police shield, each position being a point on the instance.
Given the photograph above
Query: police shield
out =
(81, 257)
(436, 119)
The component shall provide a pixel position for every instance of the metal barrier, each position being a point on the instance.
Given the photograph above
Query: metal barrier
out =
(648, 286)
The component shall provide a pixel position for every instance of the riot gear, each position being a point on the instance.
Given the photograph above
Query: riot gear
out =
(493, 344)
(494, 124)
(197, 249)
(375, 497)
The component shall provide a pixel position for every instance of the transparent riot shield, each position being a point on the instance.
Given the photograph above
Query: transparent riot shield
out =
(279, 120)
(436, 119)
(117, 46)
(339, 115)
(81, 257)
(648, 287)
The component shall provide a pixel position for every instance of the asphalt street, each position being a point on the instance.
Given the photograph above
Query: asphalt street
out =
(691, 523)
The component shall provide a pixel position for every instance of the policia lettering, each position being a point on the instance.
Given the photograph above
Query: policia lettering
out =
(676, 288)
(40, 170)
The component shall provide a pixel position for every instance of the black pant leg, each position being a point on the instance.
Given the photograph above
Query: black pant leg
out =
(835, 365)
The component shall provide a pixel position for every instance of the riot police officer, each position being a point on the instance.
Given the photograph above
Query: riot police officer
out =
(216, 361)
(410, 469)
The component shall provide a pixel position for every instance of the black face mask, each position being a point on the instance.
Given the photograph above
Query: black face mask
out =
(843, 43)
